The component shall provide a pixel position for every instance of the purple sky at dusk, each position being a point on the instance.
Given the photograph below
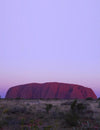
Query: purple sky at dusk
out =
(50, 40)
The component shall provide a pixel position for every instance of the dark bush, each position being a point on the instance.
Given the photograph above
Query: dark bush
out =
(72, 119)
(73, 105)
(89, 98)
(48, 107)
(15, 110)
(80, 106)
(99, 98)
(3, 123)
(99, 105)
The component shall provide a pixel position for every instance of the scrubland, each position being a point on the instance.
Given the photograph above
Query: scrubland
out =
(49, 114)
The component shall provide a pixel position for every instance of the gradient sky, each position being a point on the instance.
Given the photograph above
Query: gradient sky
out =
(50, 40)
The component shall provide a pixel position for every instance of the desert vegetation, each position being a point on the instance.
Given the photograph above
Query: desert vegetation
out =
(50, 114)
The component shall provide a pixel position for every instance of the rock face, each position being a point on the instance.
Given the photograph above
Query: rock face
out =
(50, 90)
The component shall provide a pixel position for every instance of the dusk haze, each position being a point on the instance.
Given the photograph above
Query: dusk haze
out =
(50, 41)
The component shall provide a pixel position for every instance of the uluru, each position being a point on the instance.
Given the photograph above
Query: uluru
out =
(50, 90)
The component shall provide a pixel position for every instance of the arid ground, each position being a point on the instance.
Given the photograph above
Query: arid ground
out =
(51, 114)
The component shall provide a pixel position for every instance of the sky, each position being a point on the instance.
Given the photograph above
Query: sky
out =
(49, 41)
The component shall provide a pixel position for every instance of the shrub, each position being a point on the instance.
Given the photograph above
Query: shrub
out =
(72, 119)
(77, 108)
(5, 111)
(89, 98)
(48, 107)
(14, 110)
(99, 105)
(80, 106)
(73, 105)
(99, 98)
(3, 123)
(47, 127)
(89, 114)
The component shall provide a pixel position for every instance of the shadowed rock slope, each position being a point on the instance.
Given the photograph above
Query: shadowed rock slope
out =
(50, 90)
